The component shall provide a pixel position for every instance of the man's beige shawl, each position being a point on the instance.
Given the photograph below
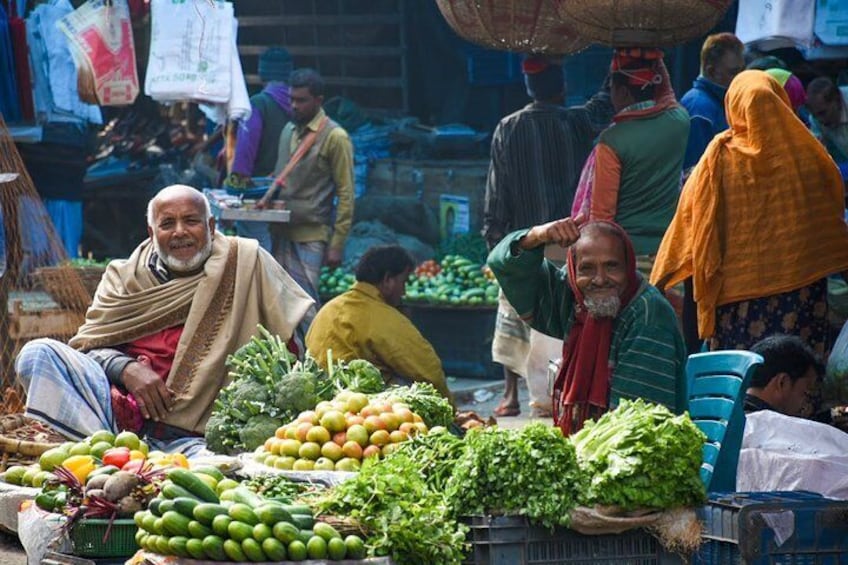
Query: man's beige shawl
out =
(239, 287)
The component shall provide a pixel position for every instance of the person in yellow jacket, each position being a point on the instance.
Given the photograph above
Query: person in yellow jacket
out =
(365, 323)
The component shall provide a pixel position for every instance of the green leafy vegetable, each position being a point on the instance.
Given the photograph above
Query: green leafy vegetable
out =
(406, 519)
(423, 399)
(530, 471)
(436, 454)
(640, 455)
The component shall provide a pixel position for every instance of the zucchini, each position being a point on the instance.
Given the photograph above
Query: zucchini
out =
(205, 512)
(243, 513)
(302, 521)
(194, 547)
(271, 514)
(177, 546)
(175, 523)
(213, 546)
(198, 531)
(193, 484)
(247, 496)
(233, 550)
(210, 470)
(171, 491)
(239, 531)
(253, 550)
(185, 505)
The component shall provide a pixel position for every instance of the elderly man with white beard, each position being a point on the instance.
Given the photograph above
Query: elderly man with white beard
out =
(621, 336)
(150, 357)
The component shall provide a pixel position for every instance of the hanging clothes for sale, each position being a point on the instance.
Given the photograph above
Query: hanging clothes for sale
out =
(9, 104)
(56, 96)
(20, 49)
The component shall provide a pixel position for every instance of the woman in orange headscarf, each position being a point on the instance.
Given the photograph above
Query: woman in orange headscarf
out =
(759, 225)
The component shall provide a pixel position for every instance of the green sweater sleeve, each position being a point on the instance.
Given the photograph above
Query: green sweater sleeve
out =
(535, 287)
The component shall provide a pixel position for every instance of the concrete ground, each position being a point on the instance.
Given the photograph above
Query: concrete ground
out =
(11, 552)
(481, 396)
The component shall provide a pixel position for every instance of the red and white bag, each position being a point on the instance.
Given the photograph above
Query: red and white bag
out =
(101, 40)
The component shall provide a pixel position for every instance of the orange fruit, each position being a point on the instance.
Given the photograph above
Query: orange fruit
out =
(380, 438)
(332, 451)
(398, 436)
(359, 434)
(318, 434)
(371, 451)
(334, 421)
(374, 423)
(340, 438)
(302, 429)
(309, 450)
(352, 449)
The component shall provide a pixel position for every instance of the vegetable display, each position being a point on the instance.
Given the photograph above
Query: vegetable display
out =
(423, 399)
(200, 516)
(459, 282)
(406, 519)
(337, 435)
(640, 455)
(270, 387)
(454, 281)
(531, 471)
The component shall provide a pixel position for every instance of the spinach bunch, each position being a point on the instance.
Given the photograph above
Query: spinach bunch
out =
(405, 518)
(640, 455)
(530, 471)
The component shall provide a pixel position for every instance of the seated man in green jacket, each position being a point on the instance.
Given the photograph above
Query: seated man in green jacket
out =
(621, 338)
(365, 323)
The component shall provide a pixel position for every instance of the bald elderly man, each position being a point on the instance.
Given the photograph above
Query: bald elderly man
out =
(151, 354)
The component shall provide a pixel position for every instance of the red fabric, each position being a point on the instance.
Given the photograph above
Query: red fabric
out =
(20, 50)
(534, 64)
(157, 351)
(159, 348)
(638, 64)
(582, 387)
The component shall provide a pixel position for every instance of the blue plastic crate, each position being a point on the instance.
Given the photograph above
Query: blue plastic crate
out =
(512, 540)
(781, 528)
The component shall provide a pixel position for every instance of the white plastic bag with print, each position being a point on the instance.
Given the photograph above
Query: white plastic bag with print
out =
(191, 45)
(100, 38)
(785, 453)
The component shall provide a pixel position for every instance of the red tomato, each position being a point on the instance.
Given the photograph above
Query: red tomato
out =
(117, 456)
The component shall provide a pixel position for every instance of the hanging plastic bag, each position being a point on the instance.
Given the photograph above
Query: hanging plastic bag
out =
(191, 44)
(836, 379)
(101, 41)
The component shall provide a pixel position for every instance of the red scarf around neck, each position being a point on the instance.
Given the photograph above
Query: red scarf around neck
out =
(581, 389)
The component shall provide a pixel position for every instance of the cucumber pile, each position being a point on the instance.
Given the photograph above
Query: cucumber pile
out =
(459, 282)
(453, 281)
(201, 515)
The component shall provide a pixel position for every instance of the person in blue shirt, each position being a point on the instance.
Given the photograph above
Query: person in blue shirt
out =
(722, 58)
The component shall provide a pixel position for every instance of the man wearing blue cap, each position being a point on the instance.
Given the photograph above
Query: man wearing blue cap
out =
(259, 136)
(536, 157)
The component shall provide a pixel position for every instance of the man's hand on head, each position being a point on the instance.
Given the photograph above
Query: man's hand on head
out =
(153, 397)
(333, 258)
(564, 232)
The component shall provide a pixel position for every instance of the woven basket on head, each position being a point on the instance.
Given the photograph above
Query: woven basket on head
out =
(23, 440)
(641, 23)
(527, 26)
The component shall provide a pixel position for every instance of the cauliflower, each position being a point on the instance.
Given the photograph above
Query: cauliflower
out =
(257, 430)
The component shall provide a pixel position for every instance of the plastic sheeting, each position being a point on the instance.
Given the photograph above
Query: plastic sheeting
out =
(781, 453)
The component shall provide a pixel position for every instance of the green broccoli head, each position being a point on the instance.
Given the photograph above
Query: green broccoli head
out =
(257, 430)
(297, 392)
(220, 436)
(365, 377)
(247, 398)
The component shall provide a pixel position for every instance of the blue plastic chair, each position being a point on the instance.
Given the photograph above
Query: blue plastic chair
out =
(716, 385)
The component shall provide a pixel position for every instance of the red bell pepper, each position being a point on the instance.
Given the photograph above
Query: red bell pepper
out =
(117, 456)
